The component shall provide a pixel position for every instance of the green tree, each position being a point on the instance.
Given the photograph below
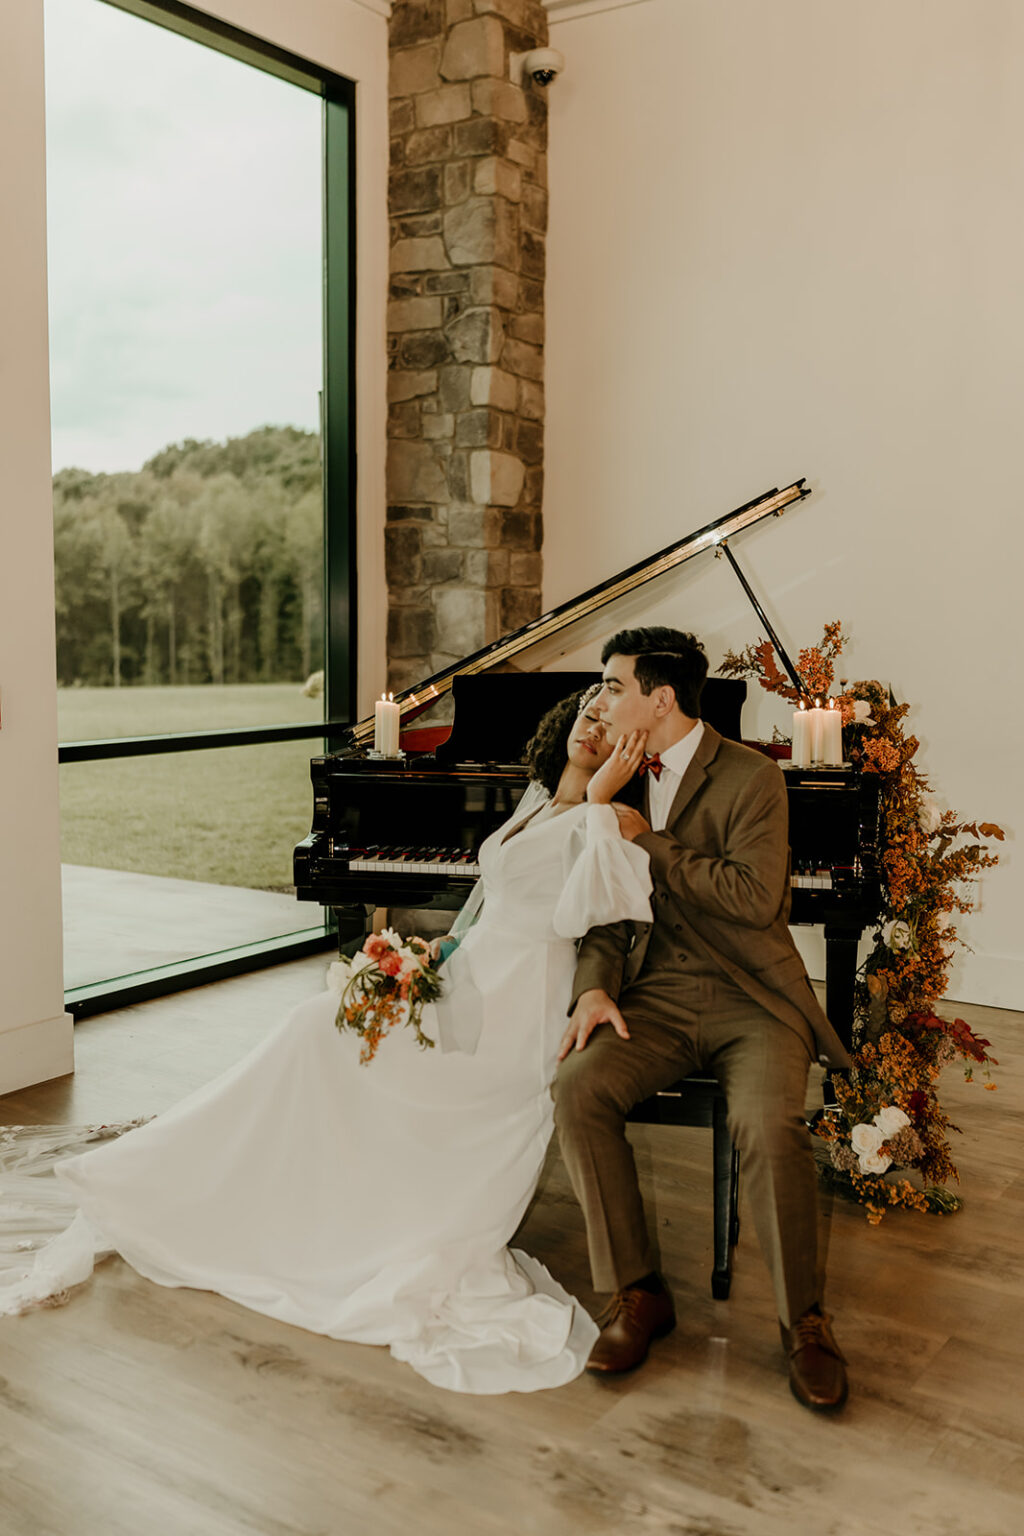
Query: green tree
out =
(206, 565)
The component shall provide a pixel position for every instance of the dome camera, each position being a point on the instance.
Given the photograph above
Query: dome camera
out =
(540, 65)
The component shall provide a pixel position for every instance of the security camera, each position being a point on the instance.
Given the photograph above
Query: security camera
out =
(540, 65)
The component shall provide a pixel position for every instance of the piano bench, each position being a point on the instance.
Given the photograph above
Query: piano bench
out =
(699, 1100)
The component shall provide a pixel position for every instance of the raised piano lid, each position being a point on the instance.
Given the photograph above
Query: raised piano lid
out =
(545, 638)
(497, 713)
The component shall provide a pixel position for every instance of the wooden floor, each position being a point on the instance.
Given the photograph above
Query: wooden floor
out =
(139, 1411)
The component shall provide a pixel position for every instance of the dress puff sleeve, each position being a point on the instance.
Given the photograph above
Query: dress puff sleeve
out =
(608, 878)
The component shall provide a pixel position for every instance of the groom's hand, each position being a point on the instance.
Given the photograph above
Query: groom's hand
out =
(592, 1008)
(631, 823)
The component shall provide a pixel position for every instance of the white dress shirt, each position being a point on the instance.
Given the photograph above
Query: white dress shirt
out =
(674, 762)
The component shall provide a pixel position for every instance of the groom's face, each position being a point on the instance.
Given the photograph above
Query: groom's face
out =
(624, 707)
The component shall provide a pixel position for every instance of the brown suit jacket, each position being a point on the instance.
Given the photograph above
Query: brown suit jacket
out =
(721, 884)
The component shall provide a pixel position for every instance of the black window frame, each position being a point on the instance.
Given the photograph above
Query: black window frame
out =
(337, 436)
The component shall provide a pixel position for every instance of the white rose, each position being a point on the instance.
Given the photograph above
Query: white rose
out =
(862, 712)
(898, 936)
(890, 1120)
(875, 1162)
(929, 817)
(866, 1139)
(391, 937)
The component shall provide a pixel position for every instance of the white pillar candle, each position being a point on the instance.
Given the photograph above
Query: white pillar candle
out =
(816, 726)
(801, 737)
(832, 739)
(386, 715)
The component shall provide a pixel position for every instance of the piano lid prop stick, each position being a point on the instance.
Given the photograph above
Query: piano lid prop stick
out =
(797, 681)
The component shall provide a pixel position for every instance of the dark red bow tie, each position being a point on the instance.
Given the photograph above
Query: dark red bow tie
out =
(651, 764)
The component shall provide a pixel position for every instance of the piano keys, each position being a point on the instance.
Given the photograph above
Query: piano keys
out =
(462, 863)
(413, 861)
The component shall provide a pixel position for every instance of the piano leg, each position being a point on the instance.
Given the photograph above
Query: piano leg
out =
(840, 978)
(353, 924)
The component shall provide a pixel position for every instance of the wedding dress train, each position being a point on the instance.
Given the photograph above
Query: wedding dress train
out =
(371, 1203)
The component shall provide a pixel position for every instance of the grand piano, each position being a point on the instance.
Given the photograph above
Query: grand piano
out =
(405, 831)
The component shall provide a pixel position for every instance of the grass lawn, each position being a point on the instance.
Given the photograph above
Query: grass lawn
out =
(84, 714)
(230, 816)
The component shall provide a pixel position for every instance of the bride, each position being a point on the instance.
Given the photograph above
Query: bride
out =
(374, 1203)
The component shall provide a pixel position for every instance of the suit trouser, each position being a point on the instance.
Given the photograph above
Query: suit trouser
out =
(678, 1025)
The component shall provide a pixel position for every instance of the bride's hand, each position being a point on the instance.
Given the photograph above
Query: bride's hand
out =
(626, 757)
(435, 947)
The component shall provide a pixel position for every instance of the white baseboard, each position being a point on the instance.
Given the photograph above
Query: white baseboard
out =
(34, 1053)
(993, 981)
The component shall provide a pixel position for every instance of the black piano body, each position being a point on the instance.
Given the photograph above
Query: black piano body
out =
(404, 832)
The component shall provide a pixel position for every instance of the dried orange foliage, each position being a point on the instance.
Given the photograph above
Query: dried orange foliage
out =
(929, 861)
(814, 666)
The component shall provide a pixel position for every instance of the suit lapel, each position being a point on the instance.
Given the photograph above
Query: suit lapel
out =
(696, 773)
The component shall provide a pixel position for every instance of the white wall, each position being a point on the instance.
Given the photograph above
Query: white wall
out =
(35, 1033)
(349, 37)
(788, 239)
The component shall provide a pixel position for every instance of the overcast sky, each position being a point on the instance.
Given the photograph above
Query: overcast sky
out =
(184, 241)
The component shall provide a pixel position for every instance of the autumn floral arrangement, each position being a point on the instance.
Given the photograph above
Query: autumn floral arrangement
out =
(886, 1143)
(387, 982)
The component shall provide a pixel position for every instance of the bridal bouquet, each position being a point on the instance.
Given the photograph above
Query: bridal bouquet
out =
(385, 983)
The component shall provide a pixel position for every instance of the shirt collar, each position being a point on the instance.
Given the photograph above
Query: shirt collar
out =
(678, 757)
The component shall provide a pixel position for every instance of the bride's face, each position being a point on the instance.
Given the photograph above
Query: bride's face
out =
(589, 746)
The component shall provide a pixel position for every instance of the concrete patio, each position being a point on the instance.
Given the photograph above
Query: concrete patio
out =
(117, 923)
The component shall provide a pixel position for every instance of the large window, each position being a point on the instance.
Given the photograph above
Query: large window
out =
(199, 214)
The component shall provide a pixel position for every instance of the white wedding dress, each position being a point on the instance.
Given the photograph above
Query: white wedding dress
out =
(371, 1203)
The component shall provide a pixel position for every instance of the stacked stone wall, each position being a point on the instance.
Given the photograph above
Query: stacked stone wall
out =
(468, 211)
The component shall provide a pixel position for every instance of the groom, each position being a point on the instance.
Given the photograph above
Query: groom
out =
(716, 983)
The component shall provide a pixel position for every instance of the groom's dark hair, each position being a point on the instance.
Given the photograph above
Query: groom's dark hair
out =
(662, 658)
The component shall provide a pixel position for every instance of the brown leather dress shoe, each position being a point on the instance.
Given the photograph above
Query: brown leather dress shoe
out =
(817, 1366)
(635, 1317)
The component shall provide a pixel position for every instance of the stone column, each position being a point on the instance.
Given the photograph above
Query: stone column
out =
(468, 209)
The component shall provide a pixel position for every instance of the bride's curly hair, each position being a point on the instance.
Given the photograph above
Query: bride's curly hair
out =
(547, 749)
